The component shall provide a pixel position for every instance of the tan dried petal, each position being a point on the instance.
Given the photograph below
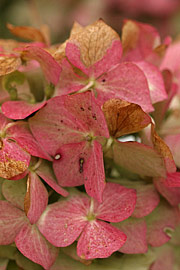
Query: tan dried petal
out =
(123, 117)
(93, 41)
(8, 44)
(9, 64)
(27, 32)
(11, 168)
(27, 197)
(130, 35)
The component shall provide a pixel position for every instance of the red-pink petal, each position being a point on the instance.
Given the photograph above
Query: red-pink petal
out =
(45, 171)
(38, 198)
(94, 175)
(11, 221)
(48, 64)
(62, 222)
(135, 230)
(20, 109)
(99, 240)
(173, 179)
(22, 134)
(155, 81)
(69, 167)
(32, 244)
(118, 203)
(119, 82)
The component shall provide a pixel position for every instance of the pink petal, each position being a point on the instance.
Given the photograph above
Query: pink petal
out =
(48, 64)
(173, 179)
(15, 192)
(99, 240)
(155, 81)
(13, 159)
(22, 134)
(20, 109)
(118, 203)
(173, 141)
(139, 158)
(119, 83)
(147, 200)
(68, 119)
(11, 221)
(38, 197)
(94, 174)
(45, 171)
(135, 230)
(110, 59)
(34, 246)
(171, 194)
(68, 168)
(62, 222)
(160, 222)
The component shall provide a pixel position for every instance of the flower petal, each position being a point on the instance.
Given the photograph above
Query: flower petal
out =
(118, 203)
(34, 246)
(99, 240)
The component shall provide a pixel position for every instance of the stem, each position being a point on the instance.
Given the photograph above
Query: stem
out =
(85, 88)
(37, 164)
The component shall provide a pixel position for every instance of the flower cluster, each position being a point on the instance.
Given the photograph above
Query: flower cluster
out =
(89, 149)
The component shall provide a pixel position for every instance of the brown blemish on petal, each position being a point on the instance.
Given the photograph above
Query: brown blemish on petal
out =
(1, 144)
(81, 163)
(11, 168)
(27, 197)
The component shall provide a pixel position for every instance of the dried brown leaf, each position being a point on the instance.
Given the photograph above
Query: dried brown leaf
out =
(9, 64)
(11, 168)
(130, 35)
(27, 196)
(123, 117)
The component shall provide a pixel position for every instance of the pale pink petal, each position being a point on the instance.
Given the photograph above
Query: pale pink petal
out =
(119, 82)
(13, 159)
(161, 223)
(135, 230)
(22, 134)
(171, 58)
(20, 109)
(94, 175)
(62, 222)
(171, 194)
(69, 165)
(45, 171)
(147, 200)
(139, 158)
(118, 203)
(38, 198)
(173, 141)
(11, 221)
(155, 81)
(14, 192)
(99, 240)
(32, 244)
(165, 259)
(48, 64)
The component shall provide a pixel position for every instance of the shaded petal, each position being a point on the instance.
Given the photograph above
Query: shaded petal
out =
(119, 82)
(48, 64)
(3, 121)
(3, 263)
(36, 198)
(62, 222)
(94, 174)
(34, 246)
(139, 158)
(135, 230)
(11, 222)
(160, 223)
(45, 171)
(15, 192)
(20, 109)
(118, 203)
(99, 240)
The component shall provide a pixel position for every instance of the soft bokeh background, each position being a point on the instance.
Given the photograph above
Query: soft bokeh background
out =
(60, 14)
